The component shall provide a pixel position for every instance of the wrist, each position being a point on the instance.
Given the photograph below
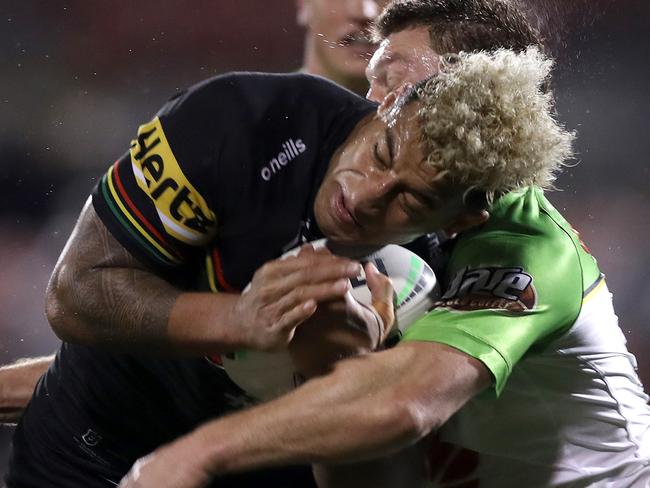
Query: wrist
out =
(236, 334)
(204, 451)
(203, 322)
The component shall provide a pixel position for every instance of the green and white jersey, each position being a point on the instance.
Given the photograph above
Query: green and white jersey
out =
(526, 298)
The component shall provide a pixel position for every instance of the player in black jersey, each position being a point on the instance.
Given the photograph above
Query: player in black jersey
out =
(336, 47)
(226, 177)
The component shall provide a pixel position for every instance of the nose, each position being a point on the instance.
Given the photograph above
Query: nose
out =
(372, 195)
(376, 92)
(362, 11)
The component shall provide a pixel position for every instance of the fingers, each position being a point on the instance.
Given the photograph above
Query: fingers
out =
(311, 259)
(297, 306)
(316, 293)
(281, 278)
(365, 319)
(382, 293)
(294, 317)
(380, 285)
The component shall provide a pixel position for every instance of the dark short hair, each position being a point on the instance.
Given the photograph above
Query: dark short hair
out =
(461, 25)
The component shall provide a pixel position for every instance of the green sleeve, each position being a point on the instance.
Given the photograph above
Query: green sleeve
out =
(513, 284)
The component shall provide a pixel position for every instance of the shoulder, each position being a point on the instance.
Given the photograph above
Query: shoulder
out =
(525, 256)
(256, 86)
(523, 225)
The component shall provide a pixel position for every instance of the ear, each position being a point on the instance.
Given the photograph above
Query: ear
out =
(303, 12)
(466, 220)
(392, 97)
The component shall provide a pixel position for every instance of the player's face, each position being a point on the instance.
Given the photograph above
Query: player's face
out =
(339, 31)
(403, 57)
(380, 190)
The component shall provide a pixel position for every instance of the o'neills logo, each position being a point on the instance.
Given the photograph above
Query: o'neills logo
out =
(290, 150)
(509, 289)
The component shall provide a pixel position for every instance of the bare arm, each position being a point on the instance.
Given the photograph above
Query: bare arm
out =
(99, 294)
(17, 383)
(370, 406)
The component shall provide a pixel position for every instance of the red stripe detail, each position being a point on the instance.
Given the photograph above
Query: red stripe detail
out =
(141, 217)
(218, 271)
(216, 360)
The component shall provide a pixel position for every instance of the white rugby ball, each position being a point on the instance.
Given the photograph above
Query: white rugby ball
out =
(266, 375)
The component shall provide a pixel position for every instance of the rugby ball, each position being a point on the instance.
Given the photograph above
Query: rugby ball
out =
(265, 375)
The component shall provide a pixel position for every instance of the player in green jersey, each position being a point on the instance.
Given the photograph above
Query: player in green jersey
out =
(521, 362)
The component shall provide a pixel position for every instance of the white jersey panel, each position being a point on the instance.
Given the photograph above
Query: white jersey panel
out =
(573, 407)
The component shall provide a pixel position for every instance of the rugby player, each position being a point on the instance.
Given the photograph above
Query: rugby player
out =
(337, 46)
(337, 39)
(572, 410)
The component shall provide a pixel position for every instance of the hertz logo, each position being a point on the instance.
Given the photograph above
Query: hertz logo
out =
(181, 208)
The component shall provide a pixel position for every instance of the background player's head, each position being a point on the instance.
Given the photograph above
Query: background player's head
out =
(337, 39)
(412, 34)
(483, 126)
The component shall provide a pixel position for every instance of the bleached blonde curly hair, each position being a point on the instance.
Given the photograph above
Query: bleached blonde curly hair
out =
(487, 122)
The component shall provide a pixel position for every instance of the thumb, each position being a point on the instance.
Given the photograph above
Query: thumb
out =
(381, 290)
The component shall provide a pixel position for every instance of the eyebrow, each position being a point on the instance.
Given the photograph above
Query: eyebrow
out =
(391, 58)
(384, 61)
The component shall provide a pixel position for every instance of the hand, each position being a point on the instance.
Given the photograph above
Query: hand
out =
(170, 466)
(381, 290)
(376, 321)
(285, 292)
(344, 327)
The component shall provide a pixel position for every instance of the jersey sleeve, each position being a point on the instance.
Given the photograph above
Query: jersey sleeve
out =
(159, 198)
(509, 287)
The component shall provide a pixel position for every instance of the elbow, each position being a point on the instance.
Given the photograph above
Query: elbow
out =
(418, 421)
(406, 420)
(60, 307)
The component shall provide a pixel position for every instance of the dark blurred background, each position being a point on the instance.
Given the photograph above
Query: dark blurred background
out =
(78, 77)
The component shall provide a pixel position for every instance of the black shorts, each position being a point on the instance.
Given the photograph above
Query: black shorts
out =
(35, 463)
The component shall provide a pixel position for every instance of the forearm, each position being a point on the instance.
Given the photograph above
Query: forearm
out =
(320, 422)
(17, 383)
(101, 295)
(134, 310)
(368, 407)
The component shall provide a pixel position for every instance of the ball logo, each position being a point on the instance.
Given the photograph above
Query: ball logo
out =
(509, 289)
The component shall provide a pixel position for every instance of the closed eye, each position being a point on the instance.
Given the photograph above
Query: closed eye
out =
(382, 162)
(415, 203)
(411, 205)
